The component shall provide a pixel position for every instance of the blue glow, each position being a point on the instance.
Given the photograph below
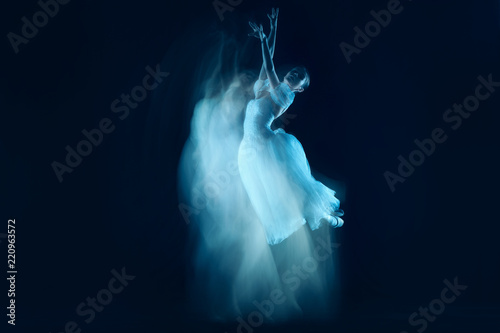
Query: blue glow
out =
(247, 193)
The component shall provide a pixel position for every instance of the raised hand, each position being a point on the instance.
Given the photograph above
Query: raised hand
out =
(255, 32)
(273, 17)
(258, 31)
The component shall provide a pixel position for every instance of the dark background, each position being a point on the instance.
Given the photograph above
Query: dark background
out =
(119, 207)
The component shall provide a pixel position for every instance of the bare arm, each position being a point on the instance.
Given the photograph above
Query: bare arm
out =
(271, 41)
(268, 64)
(270, 45)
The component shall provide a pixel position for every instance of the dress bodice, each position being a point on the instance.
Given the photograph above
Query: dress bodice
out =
(262, 111)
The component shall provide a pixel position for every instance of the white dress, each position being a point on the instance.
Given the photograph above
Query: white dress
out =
(275, 172)
(234, 212)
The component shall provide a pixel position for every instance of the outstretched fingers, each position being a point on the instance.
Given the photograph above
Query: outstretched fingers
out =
(273, 17)
(255, 28)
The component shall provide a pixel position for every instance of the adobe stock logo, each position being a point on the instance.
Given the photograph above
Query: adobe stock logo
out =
(221, 7)
(95, 136)
(292, 279)
(372, 29)
(437, 306)
(454, 116)
(94, 305)
(40, 19)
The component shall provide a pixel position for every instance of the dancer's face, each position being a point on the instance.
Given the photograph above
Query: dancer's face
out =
(296, 78)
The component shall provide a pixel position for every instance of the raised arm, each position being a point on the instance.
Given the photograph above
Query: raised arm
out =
(267, 61)
(268, 64)
(271, 40)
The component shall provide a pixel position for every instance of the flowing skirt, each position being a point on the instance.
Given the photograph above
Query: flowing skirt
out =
(277, 177)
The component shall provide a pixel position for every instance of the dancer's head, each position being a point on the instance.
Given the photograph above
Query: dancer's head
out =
(297, 79)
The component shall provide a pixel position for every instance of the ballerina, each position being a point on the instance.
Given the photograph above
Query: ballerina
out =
(243, 187)
(272, 164)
